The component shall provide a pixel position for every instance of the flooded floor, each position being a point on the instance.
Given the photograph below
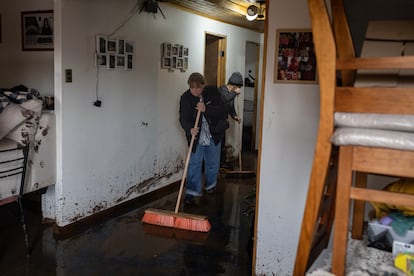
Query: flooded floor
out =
(122, 245)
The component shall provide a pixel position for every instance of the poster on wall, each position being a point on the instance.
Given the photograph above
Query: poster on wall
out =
(295, 57)
(37, 30)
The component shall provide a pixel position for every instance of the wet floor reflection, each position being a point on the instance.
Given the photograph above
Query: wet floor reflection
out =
(122, 245)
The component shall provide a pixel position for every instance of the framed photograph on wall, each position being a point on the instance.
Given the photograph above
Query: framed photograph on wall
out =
(120, 61)
(111, 46)
(111, 61)
(101, 44)
(166, 49)
(120, 46)
(100, 60)
(295, 57)
(37, 30)
(129, 47)
(129, 62)
(166, 62)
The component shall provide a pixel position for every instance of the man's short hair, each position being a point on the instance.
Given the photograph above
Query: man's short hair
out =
(196, 78)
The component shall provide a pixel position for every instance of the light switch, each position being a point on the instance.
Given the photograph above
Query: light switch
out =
(68, 75)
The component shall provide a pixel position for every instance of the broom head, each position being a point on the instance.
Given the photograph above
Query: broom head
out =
(176, 220)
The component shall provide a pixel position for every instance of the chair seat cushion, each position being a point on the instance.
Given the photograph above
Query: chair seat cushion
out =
(401, 140)
(376, 121)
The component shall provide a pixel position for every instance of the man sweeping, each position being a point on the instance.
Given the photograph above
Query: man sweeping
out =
(209, 134)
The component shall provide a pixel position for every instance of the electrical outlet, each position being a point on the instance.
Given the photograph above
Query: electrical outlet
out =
(97, 103)
(68, 75)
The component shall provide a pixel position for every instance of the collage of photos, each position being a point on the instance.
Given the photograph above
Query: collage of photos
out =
(295, 59)
(114, 53)
(174, 57)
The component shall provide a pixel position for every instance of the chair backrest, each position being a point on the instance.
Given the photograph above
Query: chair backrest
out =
(14, 162)
(335, 53)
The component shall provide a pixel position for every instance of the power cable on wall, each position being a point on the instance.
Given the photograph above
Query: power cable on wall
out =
(132, 12)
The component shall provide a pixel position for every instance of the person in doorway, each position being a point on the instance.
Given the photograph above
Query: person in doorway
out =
(208, 134)
(228, 93)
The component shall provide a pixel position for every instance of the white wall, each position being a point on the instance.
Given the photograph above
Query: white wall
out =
(132, 144)
(290, 118)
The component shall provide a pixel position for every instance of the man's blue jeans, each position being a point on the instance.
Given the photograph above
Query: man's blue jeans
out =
(211, 156)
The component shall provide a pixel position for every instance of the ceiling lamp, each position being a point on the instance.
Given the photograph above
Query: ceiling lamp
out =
(252, 13)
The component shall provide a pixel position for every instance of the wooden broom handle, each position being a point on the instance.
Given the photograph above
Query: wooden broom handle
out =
(240, 134)
(187, 160)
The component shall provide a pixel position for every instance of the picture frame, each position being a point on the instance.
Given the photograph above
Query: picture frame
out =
(129, 47)
(120, 46)
(120, 61)
(101, 44)
(111, 61)
(111, 46)
(166, 49)
(174, 50)
(37, 30)
(180, 50)
(129, 62)
(185, 52)
(295, 60)
(166, 62)
(100, 60)
(179, 63)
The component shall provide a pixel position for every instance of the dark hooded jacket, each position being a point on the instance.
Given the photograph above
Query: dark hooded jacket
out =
(215, 114)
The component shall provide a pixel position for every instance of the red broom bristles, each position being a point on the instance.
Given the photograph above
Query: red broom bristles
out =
(201, 225)
(155, 217)
(176, 220)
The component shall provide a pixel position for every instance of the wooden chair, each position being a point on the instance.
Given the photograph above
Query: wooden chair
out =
(14, 163)
(330, 194)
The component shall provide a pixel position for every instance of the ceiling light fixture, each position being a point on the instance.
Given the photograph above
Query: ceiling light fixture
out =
(252, 13)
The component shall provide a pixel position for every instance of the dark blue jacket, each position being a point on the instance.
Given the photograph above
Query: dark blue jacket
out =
(215, 114)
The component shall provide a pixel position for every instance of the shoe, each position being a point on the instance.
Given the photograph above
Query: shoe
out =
(211, 191)
(189, 200)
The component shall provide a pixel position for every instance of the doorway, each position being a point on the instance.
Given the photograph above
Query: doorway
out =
(250, 96)
(215, 59)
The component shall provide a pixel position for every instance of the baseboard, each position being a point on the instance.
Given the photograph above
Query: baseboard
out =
(64, 232)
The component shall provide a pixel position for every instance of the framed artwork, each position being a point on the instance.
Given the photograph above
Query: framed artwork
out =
(120, 61)
(111, 61)
(100, 60)
(179, 63)
(295, 58)
(101, 44)
(174, 62)
(37, 30)
(129, 62)
(180, 50)
(129, 47)
(111, 46)
(166, 62)
(166, 49)
(174, 50)
(185, 52)
(120, 46)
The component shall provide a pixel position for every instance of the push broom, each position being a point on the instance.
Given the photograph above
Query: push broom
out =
(175, 219)
(240, 173)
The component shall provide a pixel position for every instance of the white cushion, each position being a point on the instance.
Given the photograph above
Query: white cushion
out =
(25, 132)
(11, 117)
(375, 121)
(400, 140)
